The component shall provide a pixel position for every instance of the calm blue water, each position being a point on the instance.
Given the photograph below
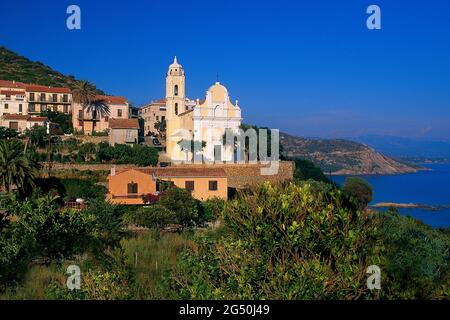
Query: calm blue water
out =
(424, 187)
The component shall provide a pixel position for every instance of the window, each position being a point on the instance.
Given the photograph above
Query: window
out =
(128, 134)
(42, 96)
(176, 109)
(44, 107)
(175, 90)
(31, 96)
(6, 106)
(132, 187)
(65, 98)
(213, 185)
(55, 97)
(217, 152)
(163, 118)
(189, 185)
(80, 114)
(66, 108)
(157, 118)
(8, 97)
(31, 107)
(20, 107)
(119, 113)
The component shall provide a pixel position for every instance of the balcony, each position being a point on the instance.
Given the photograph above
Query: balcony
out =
(128, 196)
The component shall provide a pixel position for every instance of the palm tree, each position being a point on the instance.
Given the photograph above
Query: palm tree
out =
(16, 168)
(83, 93)
(98, 107)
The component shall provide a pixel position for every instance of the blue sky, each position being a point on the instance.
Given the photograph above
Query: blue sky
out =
(310, 68)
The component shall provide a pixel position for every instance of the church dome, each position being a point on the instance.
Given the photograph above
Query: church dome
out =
(218, 92)
(175, 69)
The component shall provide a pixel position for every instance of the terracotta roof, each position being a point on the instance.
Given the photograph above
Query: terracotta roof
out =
(24, 117)
(12, 84)
(38, 119)
(12, 92)
(112, 99)
(172, 172)
(123, 123)
(160, 101)
(39, 88)
(16, 117)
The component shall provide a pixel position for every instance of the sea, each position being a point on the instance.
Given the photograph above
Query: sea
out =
(430, 188)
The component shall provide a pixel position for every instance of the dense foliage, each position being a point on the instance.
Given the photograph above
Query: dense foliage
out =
(281, 243)
(306, 170)
(417, 259)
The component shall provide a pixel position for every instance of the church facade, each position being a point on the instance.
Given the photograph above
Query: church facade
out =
(195, 129)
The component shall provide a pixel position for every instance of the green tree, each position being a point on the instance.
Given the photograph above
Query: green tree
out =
(145, 156)
(16, 168)
(7, 133)
(182, 204)
(97, 107)
(63, 120)
(358, 189)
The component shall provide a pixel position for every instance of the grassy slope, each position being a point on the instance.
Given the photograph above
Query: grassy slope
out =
(21, 69)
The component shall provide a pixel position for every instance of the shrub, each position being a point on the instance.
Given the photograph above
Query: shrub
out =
(282, 242)
(358, 189)
(211, 209)
(155, 216)
(307, 170)
(181, 203)
(417, 264)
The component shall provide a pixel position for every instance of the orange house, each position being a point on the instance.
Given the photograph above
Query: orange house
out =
(130, 186)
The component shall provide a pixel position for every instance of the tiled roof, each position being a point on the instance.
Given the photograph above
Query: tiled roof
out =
(123, 123)
(38, 119)
(173, 172)
(12, 92)
(23, 117)
(39, 88)
(12, 84)
(112, 99)
(16, 117)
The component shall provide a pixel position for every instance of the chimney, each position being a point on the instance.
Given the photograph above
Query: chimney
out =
(113, 171)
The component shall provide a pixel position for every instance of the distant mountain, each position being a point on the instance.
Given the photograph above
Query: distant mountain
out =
(21, 69)
(407, 147)
(341, 156)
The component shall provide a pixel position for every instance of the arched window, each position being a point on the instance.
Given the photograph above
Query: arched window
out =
(175, 90)
(176, 108)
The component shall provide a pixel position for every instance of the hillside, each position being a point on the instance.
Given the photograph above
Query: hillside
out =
(342, 156)
(21, 69)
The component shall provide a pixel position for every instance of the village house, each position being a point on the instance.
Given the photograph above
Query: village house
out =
(119, 108)
(123, 131)
(21, 122)
(131, 186)
(152, 113)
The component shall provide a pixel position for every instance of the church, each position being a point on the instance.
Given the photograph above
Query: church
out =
(195, 128)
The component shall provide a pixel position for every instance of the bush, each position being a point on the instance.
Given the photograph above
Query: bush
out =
(307, 170)
(182, 204)
(211, 209)
(358, 189)
(85, 189)
(281, 242)
(155, 216)
(417, 264)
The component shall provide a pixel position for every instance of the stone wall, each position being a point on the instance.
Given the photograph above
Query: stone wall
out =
(239, 175)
